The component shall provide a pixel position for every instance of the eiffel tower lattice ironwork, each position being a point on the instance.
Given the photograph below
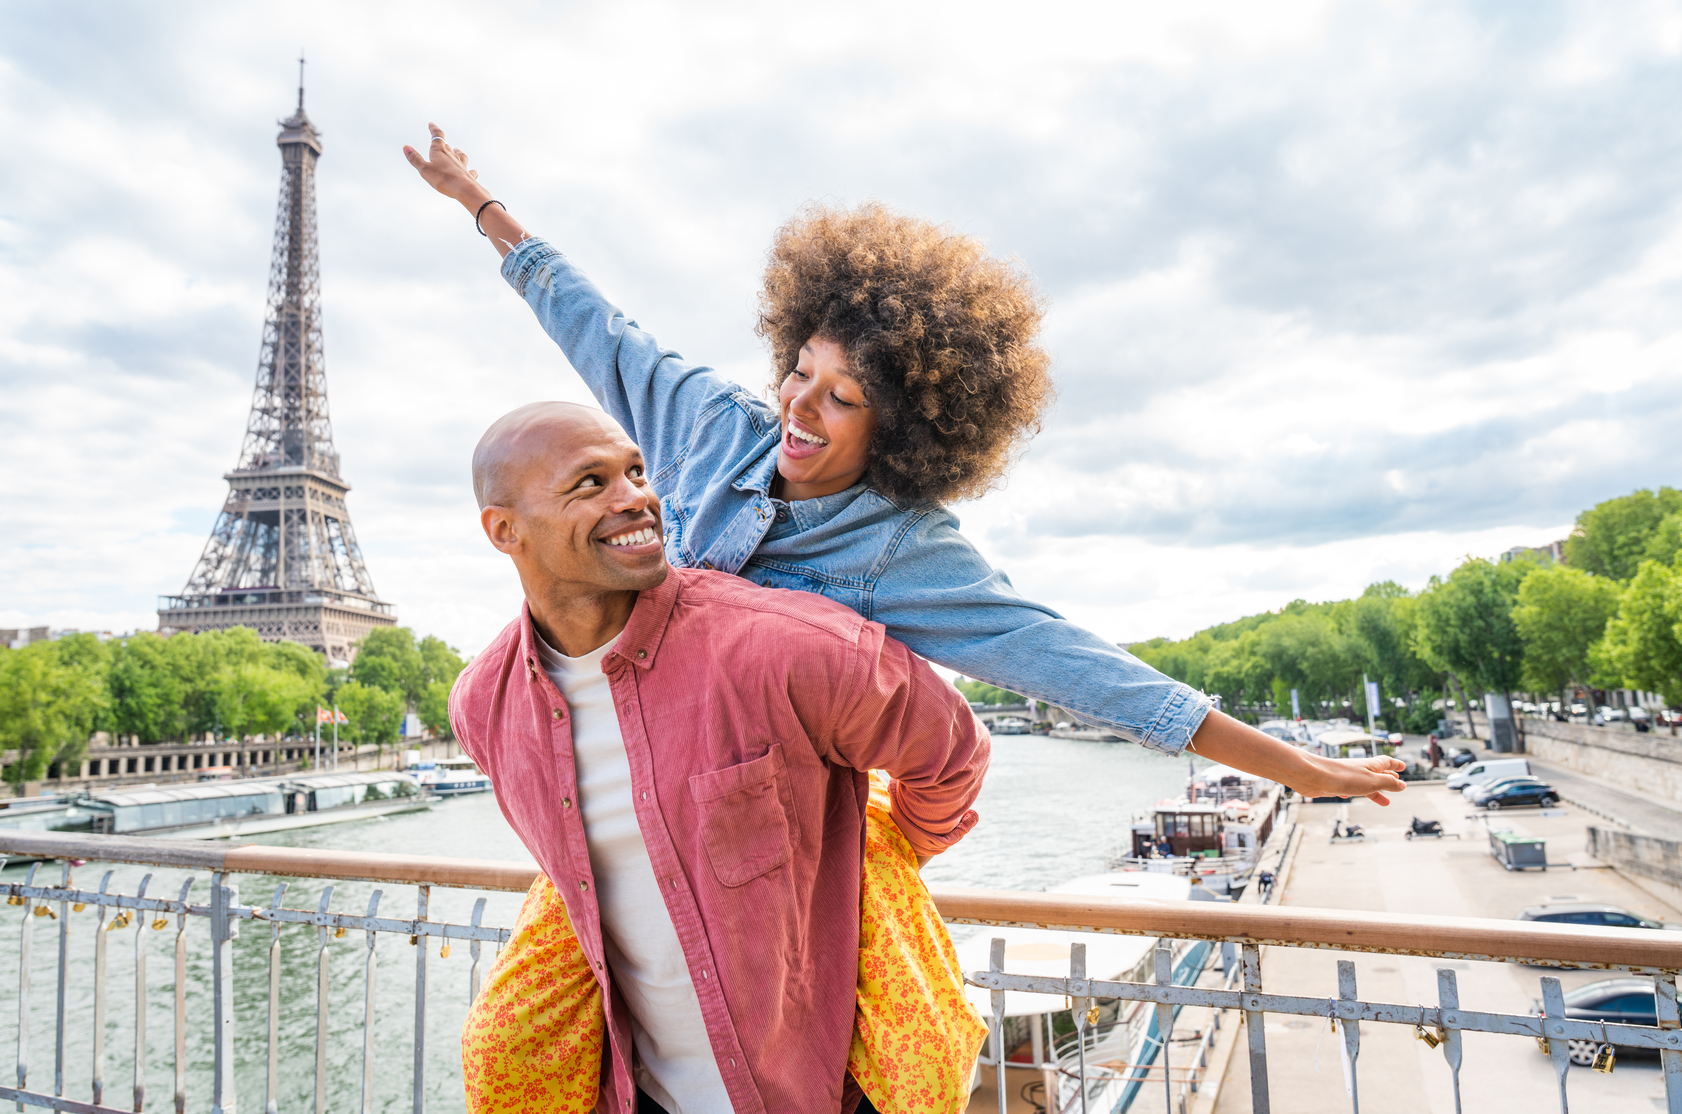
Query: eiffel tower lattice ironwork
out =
(282, 558)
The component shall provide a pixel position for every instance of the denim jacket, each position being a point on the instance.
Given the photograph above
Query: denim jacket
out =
(711, 449)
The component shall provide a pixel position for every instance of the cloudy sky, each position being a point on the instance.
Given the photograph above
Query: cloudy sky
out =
(1340, 292)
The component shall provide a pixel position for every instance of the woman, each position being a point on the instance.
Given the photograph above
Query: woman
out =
(907, 374)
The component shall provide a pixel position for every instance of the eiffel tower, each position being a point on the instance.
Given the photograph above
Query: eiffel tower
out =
(282, 558)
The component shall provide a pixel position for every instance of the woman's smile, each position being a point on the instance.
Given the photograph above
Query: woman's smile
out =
(801, 443)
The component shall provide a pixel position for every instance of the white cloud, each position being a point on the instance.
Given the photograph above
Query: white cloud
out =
(1340, 291)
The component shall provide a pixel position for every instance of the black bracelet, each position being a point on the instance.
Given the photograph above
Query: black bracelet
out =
(481, 212)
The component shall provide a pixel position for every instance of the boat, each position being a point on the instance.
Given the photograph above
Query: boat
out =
(252, 806)
(1042, 1047)
(56, 813)
(1214, 832)
(1010, 725)
(1350, 743)
(450, 778)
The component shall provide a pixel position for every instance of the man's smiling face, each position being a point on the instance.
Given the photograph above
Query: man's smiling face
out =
(565, 494)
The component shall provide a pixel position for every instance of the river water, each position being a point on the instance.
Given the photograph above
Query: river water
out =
(1051, 809)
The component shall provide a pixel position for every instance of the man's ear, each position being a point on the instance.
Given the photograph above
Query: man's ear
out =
(500, 528)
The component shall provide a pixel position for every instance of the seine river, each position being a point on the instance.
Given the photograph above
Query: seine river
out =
(1051, 809)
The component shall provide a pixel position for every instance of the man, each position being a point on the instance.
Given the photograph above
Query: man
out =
(685, 755)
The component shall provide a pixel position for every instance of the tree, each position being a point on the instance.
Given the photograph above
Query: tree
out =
(435, 709)
(1643, 644)
(52, 697)
(1612, 538)
(387, 658)
(442, 661)
(1665, 546)
(375, 715)
(1465, 624)
(148, 697)
(257, 700)
(1560, 614)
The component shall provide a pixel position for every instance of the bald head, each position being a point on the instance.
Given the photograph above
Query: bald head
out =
(529, 438)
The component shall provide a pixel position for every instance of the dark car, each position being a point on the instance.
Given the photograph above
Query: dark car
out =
(1599, 916)
(1457, 757)
(1515, 792)
(1617, 1001)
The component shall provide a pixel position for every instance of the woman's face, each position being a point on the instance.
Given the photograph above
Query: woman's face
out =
(827, 424)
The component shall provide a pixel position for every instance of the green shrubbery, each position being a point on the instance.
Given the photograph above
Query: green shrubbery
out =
(54, 695)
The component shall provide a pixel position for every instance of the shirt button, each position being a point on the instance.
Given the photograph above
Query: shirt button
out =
(782, 516)
(556, 713)
(566, 802)
(583, 885)
(641, 654)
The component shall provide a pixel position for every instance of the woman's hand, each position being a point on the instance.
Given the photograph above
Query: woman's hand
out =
(1374, 777)
(446, 171)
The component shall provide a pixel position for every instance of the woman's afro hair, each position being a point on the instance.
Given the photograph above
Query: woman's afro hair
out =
(940, 336)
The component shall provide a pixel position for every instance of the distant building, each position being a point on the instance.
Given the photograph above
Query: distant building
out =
(20, 637)
(1552, 553)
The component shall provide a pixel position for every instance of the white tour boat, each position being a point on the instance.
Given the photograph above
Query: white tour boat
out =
(1042, 1048)
(449, 778)
(251, 806)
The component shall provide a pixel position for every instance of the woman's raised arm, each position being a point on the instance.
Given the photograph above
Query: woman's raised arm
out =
(649, 390)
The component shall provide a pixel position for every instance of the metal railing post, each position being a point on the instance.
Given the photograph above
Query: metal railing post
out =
(368, 1012)
(473, 975)
(1664, 991)
(321, 1008)
(1351, 1031)
(63, 979)
(99, 996)
(1448, 1003)
(1254, 1033)
(1165, 1017)
(422, 901)
(996, 964)
(180, 1009)
(271, 1103)
(1553, 1035)
(27, 936)
(139, 997)
(1077, 973)
(223, 929)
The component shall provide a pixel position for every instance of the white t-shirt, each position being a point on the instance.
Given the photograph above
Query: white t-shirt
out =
(674, 1058)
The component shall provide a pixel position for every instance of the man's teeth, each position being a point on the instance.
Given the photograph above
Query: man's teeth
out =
(796, 431)
(635, 537)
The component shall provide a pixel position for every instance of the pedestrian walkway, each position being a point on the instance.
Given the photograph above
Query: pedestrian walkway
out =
(1612, 802)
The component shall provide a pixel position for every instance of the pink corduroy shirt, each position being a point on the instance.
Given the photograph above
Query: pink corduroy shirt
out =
(750, 716)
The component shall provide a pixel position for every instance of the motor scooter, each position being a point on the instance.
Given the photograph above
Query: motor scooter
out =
(1420, 827)
(1342, 832)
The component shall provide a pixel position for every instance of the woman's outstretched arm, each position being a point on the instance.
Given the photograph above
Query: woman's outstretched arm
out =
(445, 169)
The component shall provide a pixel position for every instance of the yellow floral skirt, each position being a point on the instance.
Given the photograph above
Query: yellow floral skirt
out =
(533, 1039)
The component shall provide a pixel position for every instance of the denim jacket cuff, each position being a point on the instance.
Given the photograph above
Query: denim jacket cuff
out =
(519, 264)
(1180, 719)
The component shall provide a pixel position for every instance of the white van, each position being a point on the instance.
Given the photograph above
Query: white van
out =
(1490, 769)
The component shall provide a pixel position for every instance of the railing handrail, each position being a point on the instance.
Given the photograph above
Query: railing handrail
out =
(1286, 925)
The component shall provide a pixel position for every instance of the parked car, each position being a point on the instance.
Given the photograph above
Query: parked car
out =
(1620, 1001)
(1516, 793)
(1488, 770)
(1456, 757)
(1600, 916)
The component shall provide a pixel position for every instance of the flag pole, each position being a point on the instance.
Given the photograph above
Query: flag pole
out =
(335, 737)
(318, 738)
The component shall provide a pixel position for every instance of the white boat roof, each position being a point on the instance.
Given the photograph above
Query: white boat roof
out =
(1217, 772)
(459, 760)
(1045, 951)
(1342, 737)
(329, 781)
(199, 792)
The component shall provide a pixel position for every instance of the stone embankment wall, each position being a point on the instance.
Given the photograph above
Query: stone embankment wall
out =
(1648, 763)
(1653, 863)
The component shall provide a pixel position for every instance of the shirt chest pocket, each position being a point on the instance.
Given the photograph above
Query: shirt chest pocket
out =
(747, 817)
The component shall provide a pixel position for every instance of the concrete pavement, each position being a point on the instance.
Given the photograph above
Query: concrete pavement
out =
(1457, 877)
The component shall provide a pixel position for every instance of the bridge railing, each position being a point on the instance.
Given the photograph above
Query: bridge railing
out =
(88, 922)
